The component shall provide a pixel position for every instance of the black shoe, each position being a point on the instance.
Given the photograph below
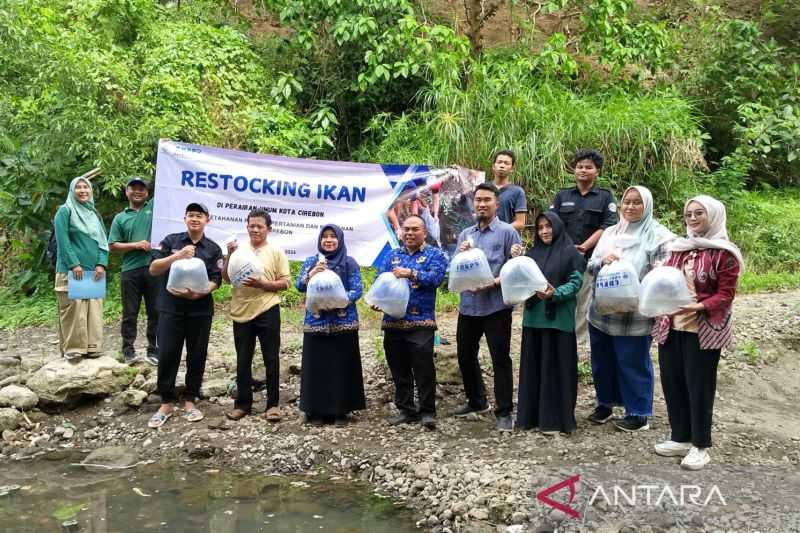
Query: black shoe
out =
(402, 418)
(429, 421)
(505, 423)
(341, 421)
(468, 409)
(129, 357)
(631, 424)
(152, 359)
(601, 414)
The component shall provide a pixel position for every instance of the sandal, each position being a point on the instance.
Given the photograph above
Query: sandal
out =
(194, 415)
(273, 414)
(158, 419)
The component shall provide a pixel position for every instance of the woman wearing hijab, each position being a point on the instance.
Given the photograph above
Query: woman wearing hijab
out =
(331, 383)
(690, 341)
(82, 251)
(548, 371)
(620, 342)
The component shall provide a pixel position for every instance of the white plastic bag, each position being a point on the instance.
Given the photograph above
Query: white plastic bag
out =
(389, 294)
(663, 292)
(188, 274)
(244, 264)
(325, 291)
(616, 289)
(520, 278)
(469, 270)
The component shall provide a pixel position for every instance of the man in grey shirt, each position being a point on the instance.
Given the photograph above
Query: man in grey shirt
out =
(512, 203)
(483, 312)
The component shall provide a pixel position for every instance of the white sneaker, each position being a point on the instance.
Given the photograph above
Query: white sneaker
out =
(696, 459)
(670, 448)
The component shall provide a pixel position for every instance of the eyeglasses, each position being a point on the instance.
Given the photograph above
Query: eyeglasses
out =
(694, 214)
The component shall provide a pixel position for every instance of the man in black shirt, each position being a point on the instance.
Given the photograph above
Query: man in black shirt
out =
(184, 316)
(587, 211)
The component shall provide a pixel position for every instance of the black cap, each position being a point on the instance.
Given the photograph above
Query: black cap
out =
(198, 208)
(136, 180)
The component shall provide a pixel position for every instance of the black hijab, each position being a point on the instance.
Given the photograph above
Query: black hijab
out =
(558, 259)
(337, 260)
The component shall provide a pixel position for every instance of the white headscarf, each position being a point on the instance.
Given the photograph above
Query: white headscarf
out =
(635, 241)
(717, 234)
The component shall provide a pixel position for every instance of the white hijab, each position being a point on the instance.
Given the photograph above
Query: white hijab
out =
(635, 241)
(717, 234)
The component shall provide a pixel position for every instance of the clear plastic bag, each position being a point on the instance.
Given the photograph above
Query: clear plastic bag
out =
(616, 288)
(663, 292)
(389, 294)
(243, 264)
(469, 270)
(520, 278)
(325, 291)
(188, 274)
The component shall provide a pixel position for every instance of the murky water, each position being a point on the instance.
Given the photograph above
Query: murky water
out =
(59, 498)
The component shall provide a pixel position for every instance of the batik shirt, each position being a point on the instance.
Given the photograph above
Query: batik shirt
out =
(335, 320)
(428, 266)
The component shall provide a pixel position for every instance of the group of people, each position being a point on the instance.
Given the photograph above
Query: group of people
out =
(581, 233)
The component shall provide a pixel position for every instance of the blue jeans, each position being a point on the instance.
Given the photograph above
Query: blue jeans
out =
(622, 371)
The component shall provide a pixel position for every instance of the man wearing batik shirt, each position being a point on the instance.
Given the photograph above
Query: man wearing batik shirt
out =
(408, 341)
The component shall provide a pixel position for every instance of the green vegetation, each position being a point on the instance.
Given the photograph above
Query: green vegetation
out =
(749, 351)
(684, 97)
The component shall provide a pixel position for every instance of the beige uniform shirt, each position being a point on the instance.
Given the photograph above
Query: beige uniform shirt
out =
(249, 302)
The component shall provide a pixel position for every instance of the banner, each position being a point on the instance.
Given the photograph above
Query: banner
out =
(368, 201)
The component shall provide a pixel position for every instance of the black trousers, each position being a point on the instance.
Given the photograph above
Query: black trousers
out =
(689, 380)
(497, 328)
(173, 331)
(266, 328)
(410, 358)
(137, 284)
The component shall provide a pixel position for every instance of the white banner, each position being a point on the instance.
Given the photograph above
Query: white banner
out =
(365, 200)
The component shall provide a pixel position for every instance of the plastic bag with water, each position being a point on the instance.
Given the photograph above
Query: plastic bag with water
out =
(520, 278)
(243, 264)
(389, 294)
(325, 291)
(616, 288)
(469, 270)
(663, 292)
(188, 274)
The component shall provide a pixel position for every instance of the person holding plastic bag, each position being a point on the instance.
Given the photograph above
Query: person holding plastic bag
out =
(620, 342)
(331, 382)
(548, 363)
(256, 311)
(82, 251)
(408, 341)
(184, 315)
(483, 312)
(690, 341)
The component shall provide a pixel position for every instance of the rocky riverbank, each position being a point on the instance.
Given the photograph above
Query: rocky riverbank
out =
(463, 477)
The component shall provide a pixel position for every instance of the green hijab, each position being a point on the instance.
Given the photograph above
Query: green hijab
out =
(84, 217)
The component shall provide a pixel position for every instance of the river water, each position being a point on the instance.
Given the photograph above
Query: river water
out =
(52, 496)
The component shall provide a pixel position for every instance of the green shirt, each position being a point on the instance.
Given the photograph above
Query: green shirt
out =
(133, 226)
(75, 248)
(565, 298)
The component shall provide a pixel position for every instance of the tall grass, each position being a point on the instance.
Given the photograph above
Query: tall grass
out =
(651, 138)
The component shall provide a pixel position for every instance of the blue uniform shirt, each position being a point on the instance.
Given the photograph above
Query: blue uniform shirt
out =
(335, 320)
(428, 266)
(496, 241)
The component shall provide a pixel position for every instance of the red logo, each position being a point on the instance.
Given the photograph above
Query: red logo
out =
(544, 496)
